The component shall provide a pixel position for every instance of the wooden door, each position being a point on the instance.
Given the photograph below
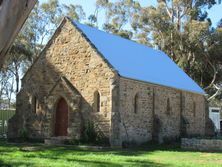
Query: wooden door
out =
(61, 121)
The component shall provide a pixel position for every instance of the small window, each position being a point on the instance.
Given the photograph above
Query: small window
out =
(215, 110)
(136, 103)
(194, 109)
(1, 2)
(168, 109)
(34, 103)
(27, 3)
(96, 101)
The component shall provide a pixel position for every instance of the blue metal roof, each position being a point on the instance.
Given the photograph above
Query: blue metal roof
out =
(136, 61)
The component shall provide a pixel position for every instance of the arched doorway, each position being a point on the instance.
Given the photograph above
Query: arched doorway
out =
(61, 118)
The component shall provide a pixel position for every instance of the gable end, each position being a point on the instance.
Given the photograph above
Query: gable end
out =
(92, 45)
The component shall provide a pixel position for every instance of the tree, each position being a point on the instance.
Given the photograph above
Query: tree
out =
(37, 30)
(182, 29)
(118, 16)
(19, 55)
(6, 88)
(43, 21)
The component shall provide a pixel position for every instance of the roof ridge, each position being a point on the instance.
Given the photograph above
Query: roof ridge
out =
(92, 45)
(137, 61)
(115, 35)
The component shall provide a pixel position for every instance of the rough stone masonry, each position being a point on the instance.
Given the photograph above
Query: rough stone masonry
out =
(123, 109)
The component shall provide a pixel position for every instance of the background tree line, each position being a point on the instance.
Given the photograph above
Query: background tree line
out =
(181, 28)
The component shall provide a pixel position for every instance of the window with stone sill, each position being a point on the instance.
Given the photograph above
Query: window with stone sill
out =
(168, 108)
(96, 106)
(136, 103)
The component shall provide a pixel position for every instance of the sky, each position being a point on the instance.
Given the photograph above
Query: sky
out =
(215, 13)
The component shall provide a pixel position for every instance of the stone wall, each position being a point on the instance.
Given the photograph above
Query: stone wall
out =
(201, 144)
(69, 67)
(69, 55)
(136, 126)
(195, 112)
(163, 113)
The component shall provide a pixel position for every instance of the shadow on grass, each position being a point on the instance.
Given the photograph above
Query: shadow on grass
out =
(15, 164)
(134, 151)
(117, 164)
(72, 155)
(84, 156)
(98, 162)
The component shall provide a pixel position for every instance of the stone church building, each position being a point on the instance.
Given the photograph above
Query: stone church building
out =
(131, 93)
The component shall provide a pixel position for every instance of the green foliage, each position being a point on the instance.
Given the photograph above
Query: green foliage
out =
(118, 15)
(89, 133)
(91, 136)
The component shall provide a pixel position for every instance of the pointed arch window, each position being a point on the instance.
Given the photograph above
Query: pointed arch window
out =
(194, 108)
(96, 101)
(136, 103)
(168, 108)
(34, 104)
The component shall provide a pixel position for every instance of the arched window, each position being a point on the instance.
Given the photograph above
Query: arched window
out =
(136, 103)
(96, 102)
(194, 109)
(168, 108)
(34, 104)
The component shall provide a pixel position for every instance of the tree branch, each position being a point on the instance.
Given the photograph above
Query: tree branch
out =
(215, 94)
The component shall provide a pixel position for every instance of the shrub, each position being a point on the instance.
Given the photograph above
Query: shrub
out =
(23, 134)
(91, 135)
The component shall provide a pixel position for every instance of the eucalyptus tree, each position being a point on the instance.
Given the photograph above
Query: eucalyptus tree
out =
(181, 28)
(119, 15)
(39, 27)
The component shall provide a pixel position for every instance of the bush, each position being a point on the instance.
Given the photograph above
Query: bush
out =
(23, 134)
(91, 135)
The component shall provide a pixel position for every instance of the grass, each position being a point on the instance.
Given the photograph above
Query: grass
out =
(38, 155)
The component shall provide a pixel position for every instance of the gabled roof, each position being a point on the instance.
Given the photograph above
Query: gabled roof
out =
(136, 61)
